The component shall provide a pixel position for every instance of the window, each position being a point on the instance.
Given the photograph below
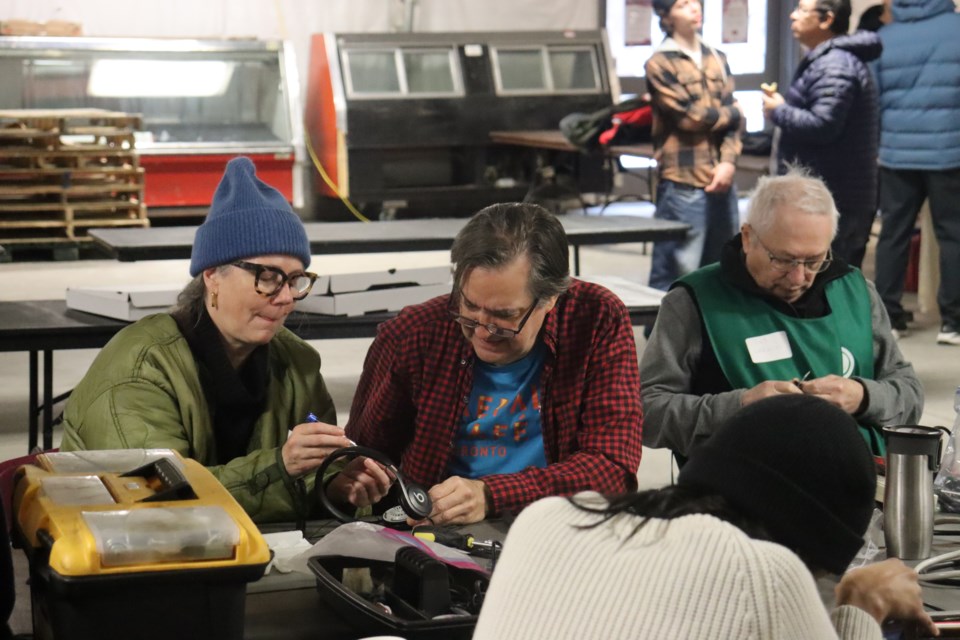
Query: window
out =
(628, 22)
(546, 69)
(372, 72)
(402, 73)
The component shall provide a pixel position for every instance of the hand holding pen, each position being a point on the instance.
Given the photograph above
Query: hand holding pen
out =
(362, 482)
(309, 443)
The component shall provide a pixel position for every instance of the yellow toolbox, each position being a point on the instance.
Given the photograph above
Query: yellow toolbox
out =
(137, 543)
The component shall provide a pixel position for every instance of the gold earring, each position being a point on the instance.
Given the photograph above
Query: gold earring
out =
(213, 299)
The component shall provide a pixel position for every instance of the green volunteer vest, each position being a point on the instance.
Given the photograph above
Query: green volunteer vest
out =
(754, 342)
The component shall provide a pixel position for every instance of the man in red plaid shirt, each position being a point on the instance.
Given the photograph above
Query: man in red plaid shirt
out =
(522, 383)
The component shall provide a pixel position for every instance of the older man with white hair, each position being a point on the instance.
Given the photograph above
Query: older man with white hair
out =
(779, 314)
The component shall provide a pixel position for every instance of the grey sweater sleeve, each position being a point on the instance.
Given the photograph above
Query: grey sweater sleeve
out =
(895, 395)
(673, 417)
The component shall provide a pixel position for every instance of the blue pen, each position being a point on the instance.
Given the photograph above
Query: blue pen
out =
(311, 417)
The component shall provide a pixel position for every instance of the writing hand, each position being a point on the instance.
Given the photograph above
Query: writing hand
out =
(308, 444)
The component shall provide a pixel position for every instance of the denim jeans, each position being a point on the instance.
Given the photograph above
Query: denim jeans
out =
(902, 192)
(714, 219)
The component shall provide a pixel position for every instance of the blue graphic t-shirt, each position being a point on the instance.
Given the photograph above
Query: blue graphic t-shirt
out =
(500, 429)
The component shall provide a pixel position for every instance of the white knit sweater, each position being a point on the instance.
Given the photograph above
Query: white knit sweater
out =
(692, 577)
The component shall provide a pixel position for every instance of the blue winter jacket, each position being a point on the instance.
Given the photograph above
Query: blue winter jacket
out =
(918, 76)
(829, 122)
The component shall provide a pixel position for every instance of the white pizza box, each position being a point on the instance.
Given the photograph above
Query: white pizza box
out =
(124, 302)
(354, 294)
(633, 294)
(365, 281)
(357, 303)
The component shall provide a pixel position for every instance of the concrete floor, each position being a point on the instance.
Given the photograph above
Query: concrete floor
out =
(937, 366)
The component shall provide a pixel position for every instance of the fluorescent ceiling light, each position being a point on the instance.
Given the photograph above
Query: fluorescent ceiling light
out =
(159, 78)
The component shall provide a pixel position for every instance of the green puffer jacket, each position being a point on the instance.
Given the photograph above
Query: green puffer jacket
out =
(143, 391)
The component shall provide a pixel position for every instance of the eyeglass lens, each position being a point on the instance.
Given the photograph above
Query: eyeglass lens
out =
(268, 281)
(494, 329)
(810, 266)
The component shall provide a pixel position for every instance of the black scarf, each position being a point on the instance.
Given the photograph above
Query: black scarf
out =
(237, 397)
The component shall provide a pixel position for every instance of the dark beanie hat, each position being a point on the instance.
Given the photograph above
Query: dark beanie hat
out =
(662, 7)
(247, 218)
(797, 465)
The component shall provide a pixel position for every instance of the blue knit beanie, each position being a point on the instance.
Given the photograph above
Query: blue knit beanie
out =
(247, 218)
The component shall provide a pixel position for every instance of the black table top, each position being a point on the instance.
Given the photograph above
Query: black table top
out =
(49, 324)
(165, 243)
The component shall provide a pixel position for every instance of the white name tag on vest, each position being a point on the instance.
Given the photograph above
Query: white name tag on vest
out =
(769, 348)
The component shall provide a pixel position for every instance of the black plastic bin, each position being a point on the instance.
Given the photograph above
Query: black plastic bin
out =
(366, 617)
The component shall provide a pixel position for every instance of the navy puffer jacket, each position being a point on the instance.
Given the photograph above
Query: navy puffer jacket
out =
(830, 120)
(919, 81)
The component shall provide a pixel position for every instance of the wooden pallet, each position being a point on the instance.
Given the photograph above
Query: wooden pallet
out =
(69, 118)
(27, 213)
(65, 171)
(89, 157)
(68, 175)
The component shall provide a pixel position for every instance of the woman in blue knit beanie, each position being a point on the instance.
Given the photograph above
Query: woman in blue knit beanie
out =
(219, 378)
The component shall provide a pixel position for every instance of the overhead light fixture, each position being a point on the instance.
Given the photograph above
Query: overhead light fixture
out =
(159, 78)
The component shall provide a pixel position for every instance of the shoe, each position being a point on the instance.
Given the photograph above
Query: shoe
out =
(948, 335)
(899, 323)
(898, 327)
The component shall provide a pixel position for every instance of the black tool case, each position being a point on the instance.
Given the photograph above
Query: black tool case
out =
(407, 588)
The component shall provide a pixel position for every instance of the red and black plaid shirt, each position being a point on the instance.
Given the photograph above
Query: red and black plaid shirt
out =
(696, 123)
(418, 375)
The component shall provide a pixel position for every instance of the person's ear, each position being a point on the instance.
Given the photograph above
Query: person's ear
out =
(827, 21)
(211, 276)
(551, 303)
(745, 236)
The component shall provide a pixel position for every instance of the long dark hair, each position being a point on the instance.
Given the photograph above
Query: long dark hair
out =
(672, 502)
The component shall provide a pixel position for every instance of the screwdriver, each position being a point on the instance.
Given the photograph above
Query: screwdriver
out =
(451, 538)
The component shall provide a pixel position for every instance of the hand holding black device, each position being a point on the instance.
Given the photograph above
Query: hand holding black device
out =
(413, 498)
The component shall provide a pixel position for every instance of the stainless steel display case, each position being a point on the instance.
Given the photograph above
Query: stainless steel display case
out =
(202, 102)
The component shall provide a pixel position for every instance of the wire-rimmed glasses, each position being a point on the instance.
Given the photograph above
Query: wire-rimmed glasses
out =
(494, 329)
(787, 265)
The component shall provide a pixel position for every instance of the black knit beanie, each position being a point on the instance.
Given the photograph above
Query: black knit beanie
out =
(800, 467)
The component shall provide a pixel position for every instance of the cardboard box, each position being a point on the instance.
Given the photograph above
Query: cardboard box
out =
(354, 294)
(632, 293)
(360, 302)
(125, 302)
